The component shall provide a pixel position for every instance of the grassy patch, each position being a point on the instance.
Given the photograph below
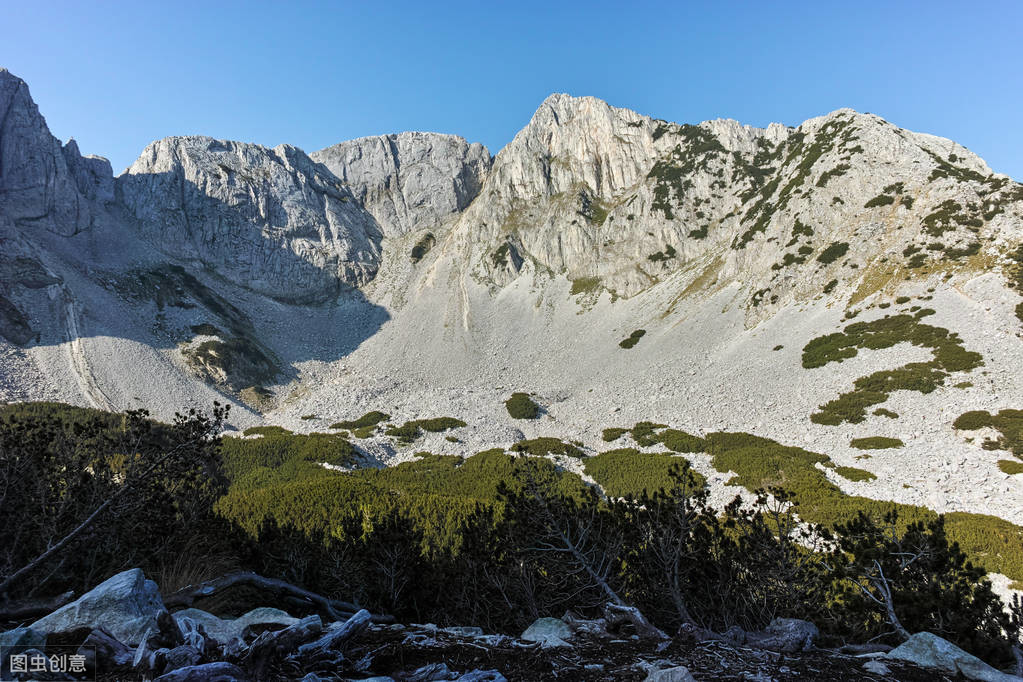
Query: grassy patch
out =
(875, 443)
(584, 285)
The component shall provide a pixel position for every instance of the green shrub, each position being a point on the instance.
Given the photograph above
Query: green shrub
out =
(879, 200)
(1008, 423)
(1010, 466)
(205, 329)
(541, 447)
(521, 406)
(834, 251)
(422, 247)
(760, 463)
(632, 339)
(875, 443)
(629, 473)
(410, 431)
(368, 419)
(949, 356)
(680, 441)
(613, 434)
(830, 286)
(854, 474)
(882, 412)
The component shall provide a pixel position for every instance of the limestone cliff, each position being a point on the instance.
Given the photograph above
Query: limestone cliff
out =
(409, 181)
(271, 220)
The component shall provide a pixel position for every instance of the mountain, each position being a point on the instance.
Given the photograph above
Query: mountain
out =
(819, 285)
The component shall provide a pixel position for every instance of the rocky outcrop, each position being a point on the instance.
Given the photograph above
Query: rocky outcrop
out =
(592, 192)
(44, 184)
(125, 605)
(271, 220)
(930, 651)
(409, 181)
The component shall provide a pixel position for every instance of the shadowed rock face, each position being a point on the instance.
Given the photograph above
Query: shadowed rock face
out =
(42, 183)
(409, 181)
(271, 220)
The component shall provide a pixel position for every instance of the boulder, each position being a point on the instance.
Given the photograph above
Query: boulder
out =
(676, 674)
(126, 605)
(208, 672)
(785, 635)
(930, 651)
(550, 632)
(877, 668)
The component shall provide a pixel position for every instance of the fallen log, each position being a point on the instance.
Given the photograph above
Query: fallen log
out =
(335, 639)
(273, 645)
(615, 614)
(329, 609)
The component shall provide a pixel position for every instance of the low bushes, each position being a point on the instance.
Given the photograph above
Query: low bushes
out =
(521, 406)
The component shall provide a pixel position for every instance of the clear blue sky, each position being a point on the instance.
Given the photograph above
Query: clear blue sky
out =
(117, 75)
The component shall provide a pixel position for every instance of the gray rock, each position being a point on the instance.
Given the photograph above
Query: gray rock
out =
(125, 605)
(208, 672)
(877, 668)
(550, 632)
(788, 635)
(409, 181)
(676, 674)
(930, 651)
(271, 220)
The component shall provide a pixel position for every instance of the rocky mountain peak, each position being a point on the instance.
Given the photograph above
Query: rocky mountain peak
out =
(411, 180)
(43, 184)
(271, 219)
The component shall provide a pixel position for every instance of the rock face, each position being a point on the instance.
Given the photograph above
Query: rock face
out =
(271, 220)
(625, 202)
(42, 183)
(409, 181)
(125, 605)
